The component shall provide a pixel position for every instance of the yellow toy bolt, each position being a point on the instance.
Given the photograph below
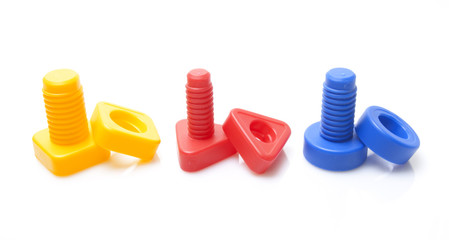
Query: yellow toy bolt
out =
(67, 145)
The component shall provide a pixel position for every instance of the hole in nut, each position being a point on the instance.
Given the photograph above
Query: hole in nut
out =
(128, 121)
(393, 126)
(262, 131)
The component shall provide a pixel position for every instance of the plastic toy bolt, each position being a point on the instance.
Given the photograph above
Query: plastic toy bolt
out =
(201, 143)
(66, 146)
(332, 144)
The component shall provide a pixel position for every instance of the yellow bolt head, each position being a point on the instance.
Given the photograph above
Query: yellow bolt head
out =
(63, 160)
(124, 131)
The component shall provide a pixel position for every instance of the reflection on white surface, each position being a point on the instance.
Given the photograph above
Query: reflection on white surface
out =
(128, 163)
(387, 167)
(377, 178)
(386, 180)
(279, 166)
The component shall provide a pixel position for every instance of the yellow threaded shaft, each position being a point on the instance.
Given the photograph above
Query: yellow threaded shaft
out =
(64, 104)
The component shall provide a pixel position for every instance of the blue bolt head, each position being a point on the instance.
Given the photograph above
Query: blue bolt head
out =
(333, 156)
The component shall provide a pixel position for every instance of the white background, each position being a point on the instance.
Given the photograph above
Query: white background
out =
(266, 57)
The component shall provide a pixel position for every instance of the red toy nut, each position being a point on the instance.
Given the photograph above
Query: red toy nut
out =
(201, 143)
(258, 139)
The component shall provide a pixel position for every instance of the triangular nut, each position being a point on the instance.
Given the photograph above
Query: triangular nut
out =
(124, 131)
(258, 139)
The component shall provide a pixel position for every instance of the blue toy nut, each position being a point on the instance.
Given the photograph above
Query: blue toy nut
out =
(387, 135)
(332, 144)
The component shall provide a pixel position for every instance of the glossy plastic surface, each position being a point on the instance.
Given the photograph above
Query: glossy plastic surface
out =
(333, 156)
(257, 138)
(200, 104)
(195, 154)
(331, 144)
(201, 142)
(124, 130)
(387, 135)
(67, 146)
(64, 160)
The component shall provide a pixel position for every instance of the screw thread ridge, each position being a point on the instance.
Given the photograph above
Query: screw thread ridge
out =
(66, 117)
(337, 114)
(200, 111)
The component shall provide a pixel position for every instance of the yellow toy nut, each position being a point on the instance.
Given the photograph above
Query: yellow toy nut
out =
(67, 145)
(124, 131)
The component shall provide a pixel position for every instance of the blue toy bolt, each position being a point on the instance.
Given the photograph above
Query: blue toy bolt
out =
(332, 143)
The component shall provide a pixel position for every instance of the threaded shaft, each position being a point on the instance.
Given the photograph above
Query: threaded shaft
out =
(64, 105)
(200, 104)
(338, 108)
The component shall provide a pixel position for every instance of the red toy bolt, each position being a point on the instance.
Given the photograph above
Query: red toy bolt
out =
(201, 142)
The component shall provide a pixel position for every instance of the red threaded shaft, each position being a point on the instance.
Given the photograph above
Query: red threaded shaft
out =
(200, 104)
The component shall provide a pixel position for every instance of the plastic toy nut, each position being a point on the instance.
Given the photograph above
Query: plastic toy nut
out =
(67, 145)
(124, 130)
(258, 139)
(201, 143)
(332, 144)
(387, 135)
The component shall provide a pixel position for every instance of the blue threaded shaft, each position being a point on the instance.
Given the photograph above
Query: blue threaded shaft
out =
(338, 108)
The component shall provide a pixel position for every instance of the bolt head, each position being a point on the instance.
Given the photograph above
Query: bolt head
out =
(333, 156)
(63, 160)
(197, 154)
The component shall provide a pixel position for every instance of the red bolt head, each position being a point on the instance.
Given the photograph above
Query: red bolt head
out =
(197, 154)
(258, 139)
